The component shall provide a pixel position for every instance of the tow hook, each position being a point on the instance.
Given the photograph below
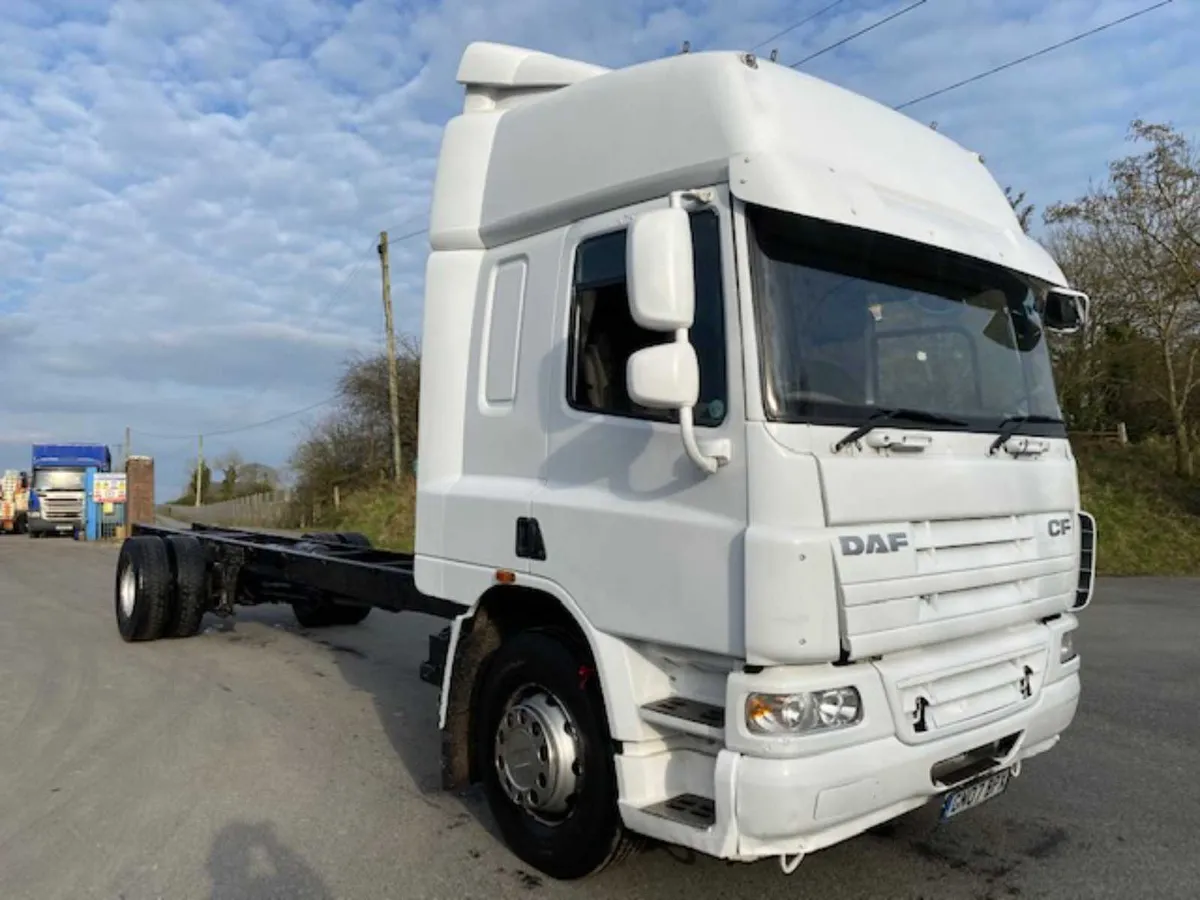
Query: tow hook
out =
(790, 862)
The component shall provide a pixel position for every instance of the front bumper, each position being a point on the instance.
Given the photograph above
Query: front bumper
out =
(38, 525)
(787, 806)
(794, 795)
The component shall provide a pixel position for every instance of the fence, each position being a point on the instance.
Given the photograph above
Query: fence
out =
(264, 510)
(1118, 435)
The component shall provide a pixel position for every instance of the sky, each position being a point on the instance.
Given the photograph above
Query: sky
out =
(191, 190)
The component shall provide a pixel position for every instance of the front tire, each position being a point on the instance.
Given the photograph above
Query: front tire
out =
(545, 757)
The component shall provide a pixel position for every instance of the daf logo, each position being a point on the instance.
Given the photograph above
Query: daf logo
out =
(1059, 527)
(857, 545)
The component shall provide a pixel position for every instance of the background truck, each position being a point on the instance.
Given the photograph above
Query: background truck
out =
(744, 486)
(57, 497)
(14, 502)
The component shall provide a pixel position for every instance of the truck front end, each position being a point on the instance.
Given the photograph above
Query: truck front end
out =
(56, 500)
(916, 550)
(58, 486)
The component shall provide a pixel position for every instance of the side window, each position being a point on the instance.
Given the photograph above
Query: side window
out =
(603, 334)
(506, 309)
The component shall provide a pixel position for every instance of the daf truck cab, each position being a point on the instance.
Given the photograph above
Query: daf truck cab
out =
(740, 448)
(58, 489)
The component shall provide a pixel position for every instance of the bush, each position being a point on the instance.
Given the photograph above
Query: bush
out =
(385, 512)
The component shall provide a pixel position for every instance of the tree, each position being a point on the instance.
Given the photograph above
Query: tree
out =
(1140, 232)
(189, 489)
(256, 477)
(351, 447)
(1023, 210)
(230, 465)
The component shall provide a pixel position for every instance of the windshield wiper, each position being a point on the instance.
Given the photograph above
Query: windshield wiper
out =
(894, 414)
(1008, 427)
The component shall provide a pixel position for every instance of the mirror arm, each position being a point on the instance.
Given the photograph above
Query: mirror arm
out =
(687, 428)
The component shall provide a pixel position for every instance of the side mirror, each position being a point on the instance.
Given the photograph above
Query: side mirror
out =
(658, 253)
(1066, 310)
(665, 376)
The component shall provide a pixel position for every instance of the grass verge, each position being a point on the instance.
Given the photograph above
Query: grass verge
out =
(1148, 517)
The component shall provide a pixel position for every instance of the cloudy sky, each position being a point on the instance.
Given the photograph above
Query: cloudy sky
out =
(190, 190)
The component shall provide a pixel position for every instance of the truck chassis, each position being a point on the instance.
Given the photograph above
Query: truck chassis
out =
(168, 578)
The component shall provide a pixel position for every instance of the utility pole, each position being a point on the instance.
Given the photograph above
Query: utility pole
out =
(199, 468)
(393, 378)
(128, 447)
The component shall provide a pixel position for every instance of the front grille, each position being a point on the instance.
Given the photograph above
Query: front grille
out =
(61, 509)
(959, 573)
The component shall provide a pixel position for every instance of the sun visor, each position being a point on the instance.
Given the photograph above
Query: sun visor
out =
(794, 184)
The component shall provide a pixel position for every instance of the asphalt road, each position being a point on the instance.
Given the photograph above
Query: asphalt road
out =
(262, 762)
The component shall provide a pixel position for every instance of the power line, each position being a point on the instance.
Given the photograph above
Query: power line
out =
(345, 283)
(800, 24)
(858, 33)
(295, 412)
(220, 432)
(274, 419)
(1034, 55)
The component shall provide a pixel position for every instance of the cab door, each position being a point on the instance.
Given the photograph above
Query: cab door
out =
(647, 544)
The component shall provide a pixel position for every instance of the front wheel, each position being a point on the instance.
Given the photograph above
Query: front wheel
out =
(545, 757)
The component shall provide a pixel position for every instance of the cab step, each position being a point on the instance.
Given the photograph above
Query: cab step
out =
(691, 810)
(689, 716)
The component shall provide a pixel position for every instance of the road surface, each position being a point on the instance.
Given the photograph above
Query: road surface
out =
(262, 762)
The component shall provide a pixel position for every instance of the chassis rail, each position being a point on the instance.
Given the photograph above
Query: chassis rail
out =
(277, 565)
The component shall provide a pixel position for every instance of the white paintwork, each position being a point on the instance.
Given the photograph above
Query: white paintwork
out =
(665, 376)
(685, 559)
(662, 291)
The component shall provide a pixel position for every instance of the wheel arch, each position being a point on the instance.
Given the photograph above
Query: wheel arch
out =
(503, 610)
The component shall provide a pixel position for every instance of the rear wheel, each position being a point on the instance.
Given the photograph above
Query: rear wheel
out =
(189, 568)
(324, 537)
(322, 613)
(545, 757)
(143, 592)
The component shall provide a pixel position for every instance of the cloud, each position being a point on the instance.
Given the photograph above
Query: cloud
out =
(190, 192)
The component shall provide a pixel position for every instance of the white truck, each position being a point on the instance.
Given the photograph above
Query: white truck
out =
(743, 483)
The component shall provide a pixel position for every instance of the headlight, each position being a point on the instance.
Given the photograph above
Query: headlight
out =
(803, 713)
(1066, 649)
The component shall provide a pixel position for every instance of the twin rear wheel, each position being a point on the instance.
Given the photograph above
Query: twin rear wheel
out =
(546, 759)
(163, 590)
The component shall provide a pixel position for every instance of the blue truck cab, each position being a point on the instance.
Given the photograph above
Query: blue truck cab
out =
(58, 486)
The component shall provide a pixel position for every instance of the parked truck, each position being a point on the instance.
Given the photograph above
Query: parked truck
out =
(744, 487)
(58, 493)
(14, 502)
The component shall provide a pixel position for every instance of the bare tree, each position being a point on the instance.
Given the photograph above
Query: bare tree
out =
(1140, 235)
(351, 447)
(1023, 210)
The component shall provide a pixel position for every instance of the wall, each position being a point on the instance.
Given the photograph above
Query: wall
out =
(139, 475)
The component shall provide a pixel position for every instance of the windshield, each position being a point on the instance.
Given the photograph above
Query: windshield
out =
(852, 321)
(58, 480)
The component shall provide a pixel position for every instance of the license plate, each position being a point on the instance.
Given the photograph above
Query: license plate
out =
(977, 792)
